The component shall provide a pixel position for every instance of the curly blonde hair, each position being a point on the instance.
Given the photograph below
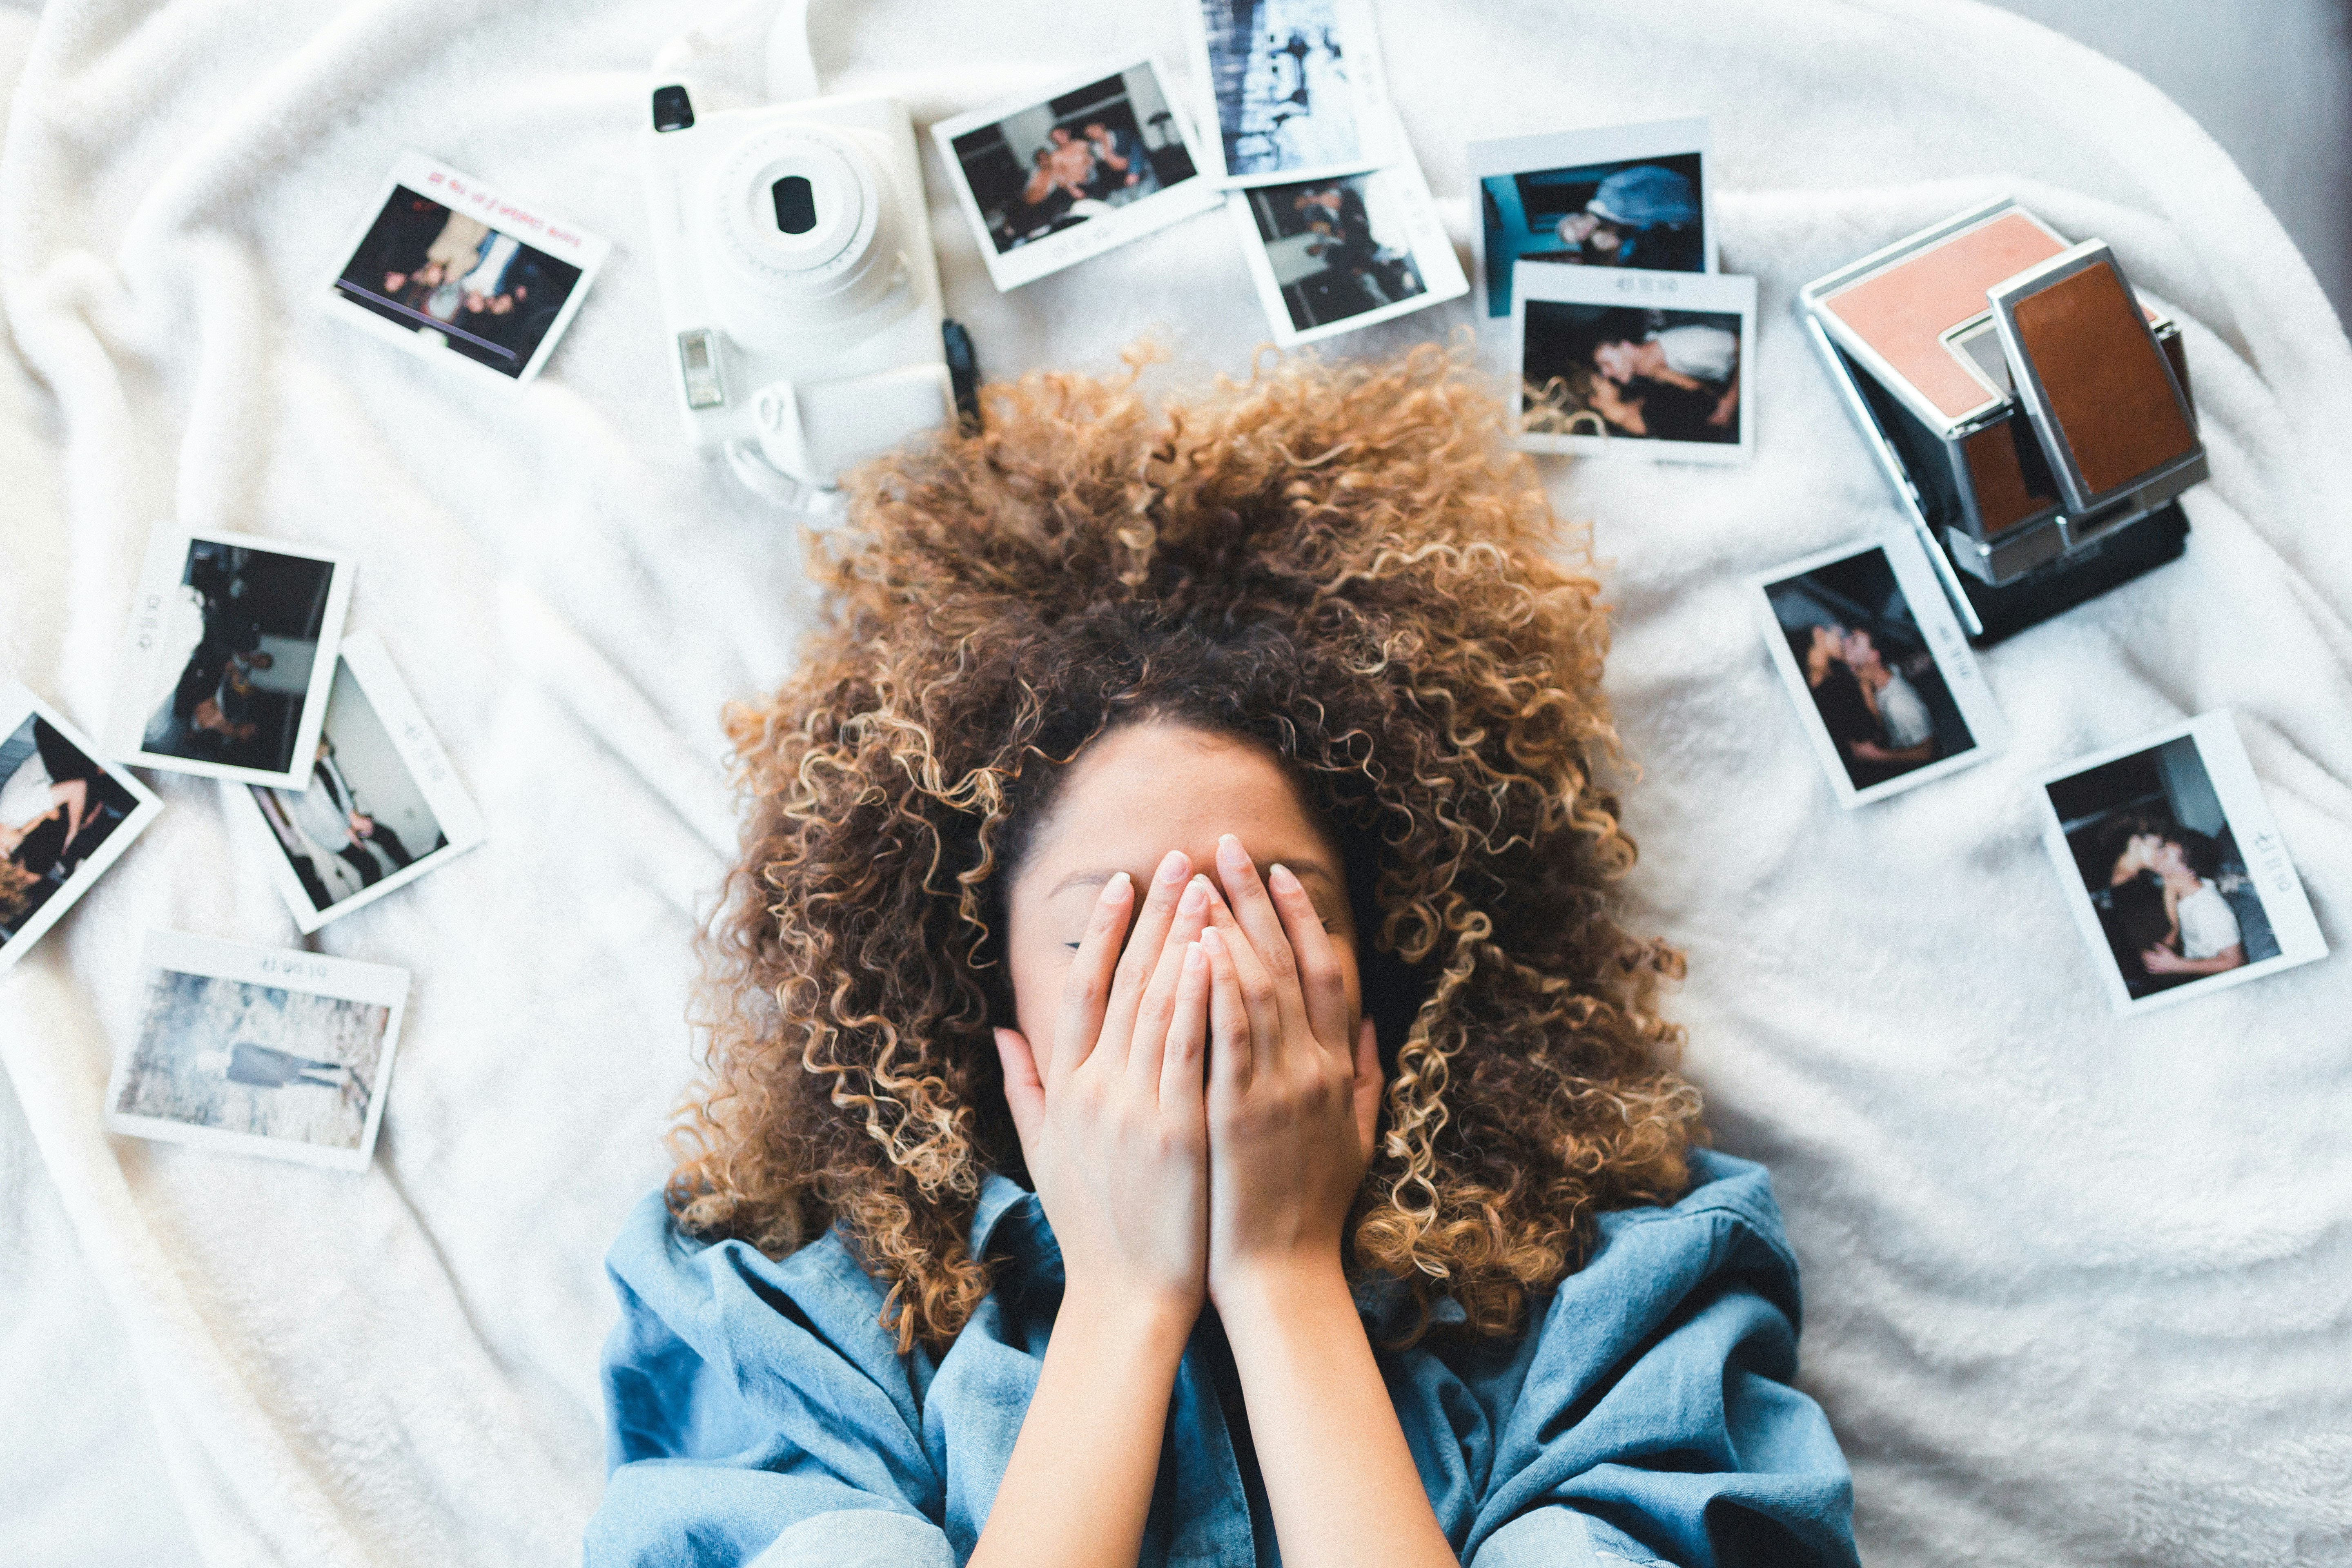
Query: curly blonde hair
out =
(1341, 562)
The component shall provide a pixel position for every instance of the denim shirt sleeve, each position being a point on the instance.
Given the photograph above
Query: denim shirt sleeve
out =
(757, 1412)
(1653, 1418)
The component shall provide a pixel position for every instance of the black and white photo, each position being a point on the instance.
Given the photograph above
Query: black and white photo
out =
(1089, 162)
(2174, 866)
(258, 1050)
(65, 818)
(446, 266)
(1888, 690)
(1291, 89)
(1644, 364)
(1334, 254)
(1612, 195)
(229, 653)
(382, 808)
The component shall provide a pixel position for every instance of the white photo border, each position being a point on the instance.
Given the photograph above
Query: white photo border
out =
(1956, 661)
(1380, 137)
(160, 576)
(427, 762)
(536, 227)
(19, 702)
(1432, 254)
(2222, 752)
(1578, 148)
(1718, 293)
(1027, 263)
(285, 969)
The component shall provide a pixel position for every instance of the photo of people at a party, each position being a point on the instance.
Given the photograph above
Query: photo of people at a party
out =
(1336, 247)
(1643, 212)
(242, 632)
(1631, 373)
(256, 1061)
(364, 817)
(58, 807)
(2152, 839)
(1280, 71)
(1867, 668)
(1072, 158)
(487, 295)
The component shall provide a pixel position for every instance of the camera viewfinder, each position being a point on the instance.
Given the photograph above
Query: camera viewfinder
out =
(673, 111)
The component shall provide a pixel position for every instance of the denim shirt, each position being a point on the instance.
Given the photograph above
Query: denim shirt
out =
(759, 1413)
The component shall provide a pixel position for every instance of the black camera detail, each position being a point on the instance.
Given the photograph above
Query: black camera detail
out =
(673, 111)
(795, 201)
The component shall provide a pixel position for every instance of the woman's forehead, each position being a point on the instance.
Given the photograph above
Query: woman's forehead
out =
(1143, 790)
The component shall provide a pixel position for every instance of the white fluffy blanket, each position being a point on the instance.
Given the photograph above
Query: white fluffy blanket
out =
(2077, 1287)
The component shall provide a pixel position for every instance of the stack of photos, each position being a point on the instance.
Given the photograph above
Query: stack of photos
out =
(1088, 162)
(65, 818)
(2174, 868)
(1882, 675)
(232, 647)
(1598, 247)
(444, 266)
(1334, 214)
(259, 1050)
(383, 805)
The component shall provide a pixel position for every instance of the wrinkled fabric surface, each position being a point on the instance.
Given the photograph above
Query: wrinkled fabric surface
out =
(2076, 1287)
(1645, 1412)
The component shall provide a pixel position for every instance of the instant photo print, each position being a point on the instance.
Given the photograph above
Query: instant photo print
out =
(1890, 694)
(229, 653)
(1334, 254)
(2174, 867)
(1612, 195)
(383, 806)
(258, 1050)
(1290, 90)
(1087, 162)
(450, 269)
(2031, 412)
(65, 818)
(1642, 364)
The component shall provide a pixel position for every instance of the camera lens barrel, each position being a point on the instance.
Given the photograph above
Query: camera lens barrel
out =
(802, 232)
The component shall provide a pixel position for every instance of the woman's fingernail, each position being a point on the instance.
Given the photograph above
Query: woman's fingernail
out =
(1173, 870)
(1230, 851)
(1281, 880)
(1117, 888)
(1193, 959)
(1211, 942)
(1196, 895)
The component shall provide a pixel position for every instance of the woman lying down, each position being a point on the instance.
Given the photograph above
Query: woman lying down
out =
(1179, 1093)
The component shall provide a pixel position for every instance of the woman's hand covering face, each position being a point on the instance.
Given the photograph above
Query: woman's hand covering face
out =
(1114, 1129)
(1294, 1079)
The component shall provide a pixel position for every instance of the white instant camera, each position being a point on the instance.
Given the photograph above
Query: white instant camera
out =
(798, 282)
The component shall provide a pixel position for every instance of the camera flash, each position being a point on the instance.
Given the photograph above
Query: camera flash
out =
(698, 356)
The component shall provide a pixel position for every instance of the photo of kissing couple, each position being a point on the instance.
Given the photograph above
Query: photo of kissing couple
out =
(1868, 669)
(2152, 841)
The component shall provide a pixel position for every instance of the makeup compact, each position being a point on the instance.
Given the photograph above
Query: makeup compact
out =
(2032, 415)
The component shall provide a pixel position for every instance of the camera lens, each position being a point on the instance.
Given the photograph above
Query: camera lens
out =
(673, 111)
(795, 201)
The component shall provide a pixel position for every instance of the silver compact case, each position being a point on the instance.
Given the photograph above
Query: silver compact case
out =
(2031, 412)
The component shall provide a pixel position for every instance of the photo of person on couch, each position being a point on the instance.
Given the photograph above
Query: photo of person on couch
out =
(1178, 1089)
